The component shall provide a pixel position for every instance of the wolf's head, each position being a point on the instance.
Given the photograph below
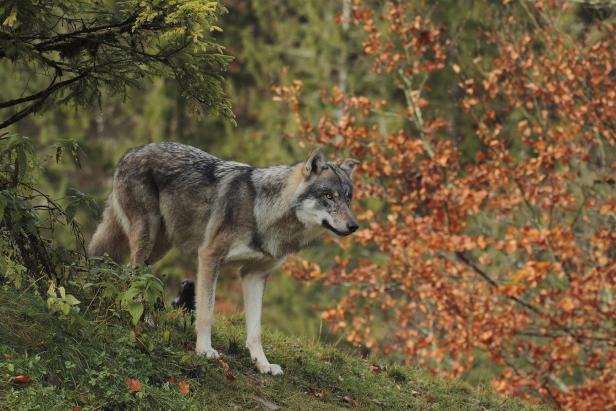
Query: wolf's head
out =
(324, 197)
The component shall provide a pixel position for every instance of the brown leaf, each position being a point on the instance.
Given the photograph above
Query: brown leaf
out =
(22, 379)
(184, 388)
(223, 364)
(230, 376)
(352, 402)
(133, 385)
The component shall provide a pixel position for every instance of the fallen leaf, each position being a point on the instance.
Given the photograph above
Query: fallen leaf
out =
(133, 385)
(314, 393)
(376, 369)
(223, 364)
(184, 388)
(352, 402)
(76, 408)
(171, 379)
(230, 376)
(22, 379)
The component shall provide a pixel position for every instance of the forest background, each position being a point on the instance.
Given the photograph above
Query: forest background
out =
(433, 98)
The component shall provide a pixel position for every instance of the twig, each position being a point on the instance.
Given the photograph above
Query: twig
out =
(40, 96)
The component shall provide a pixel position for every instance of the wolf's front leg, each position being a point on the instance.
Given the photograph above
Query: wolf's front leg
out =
(206, 292)
(253, 286)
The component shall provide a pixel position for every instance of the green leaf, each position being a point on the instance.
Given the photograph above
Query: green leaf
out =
(11, 18)
(129, 294)
(135, 309)
(71, 300)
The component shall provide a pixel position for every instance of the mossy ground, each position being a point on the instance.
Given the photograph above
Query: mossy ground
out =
(85, 364)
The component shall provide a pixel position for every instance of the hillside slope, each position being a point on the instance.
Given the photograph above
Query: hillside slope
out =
(84, 364)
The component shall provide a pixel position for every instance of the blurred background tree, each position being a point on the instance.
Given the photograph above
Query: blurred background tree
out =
(68, 51)
(492, 250)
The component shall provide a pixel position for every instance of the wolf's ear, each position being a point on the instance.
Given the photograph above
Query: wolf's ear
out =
(348, 166)
(315, 163)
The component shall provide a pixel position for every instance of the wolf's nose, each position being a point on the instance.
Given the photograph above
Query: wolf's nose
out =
(352, 226)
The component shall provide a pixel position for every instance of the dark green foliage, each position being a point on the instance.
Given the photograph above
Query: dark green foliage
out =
(73, 51)
(29, 220)
(25, 254)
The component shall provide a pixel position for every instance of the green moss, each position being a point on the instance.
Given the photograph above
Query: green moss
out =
(86, 363)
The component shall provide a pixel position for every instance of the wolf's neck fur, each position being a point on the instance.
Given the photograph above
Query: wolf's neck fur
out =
(274, 209)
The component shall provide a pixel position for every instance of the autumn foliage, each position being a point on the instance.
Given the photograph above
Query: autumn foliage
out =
(504, 251)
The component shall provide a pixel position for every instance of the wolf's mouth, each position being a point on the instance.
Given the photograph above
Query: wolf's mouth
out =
(327, 225)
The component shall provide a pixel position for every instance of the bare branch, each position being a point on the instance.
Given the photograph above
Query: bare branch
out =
(40, 97)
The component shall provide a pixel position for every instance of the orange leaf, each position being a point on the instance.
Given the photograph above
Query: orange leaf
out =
(223, 364)
(23, 379)
(314, 393)
(184, 388)
(486, 335)
(133, 385)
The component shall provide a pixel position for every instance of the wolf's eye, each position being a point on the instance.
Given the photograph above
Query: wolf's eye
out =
(329, 196)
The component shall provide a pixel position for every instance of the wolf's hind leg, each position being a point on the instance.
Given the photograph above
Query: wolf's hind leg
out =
(109, 237)
(137, 202)
(162, 244)
(253, 287)
(141, 238)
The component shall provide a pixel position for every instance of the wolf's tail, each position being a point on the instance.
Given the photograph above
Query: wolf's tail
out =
(109, 237)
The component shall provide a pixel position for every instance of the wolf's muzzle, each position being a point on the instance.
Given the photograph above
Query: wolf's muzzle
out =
(351, 228)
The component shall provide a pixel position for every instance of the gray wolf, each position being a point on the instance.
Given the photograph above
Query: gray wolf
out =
(228, 214)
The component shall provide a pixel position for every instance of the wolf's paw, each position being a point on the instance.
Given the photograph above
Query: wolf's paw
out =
(273, 369)
(209, 353)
